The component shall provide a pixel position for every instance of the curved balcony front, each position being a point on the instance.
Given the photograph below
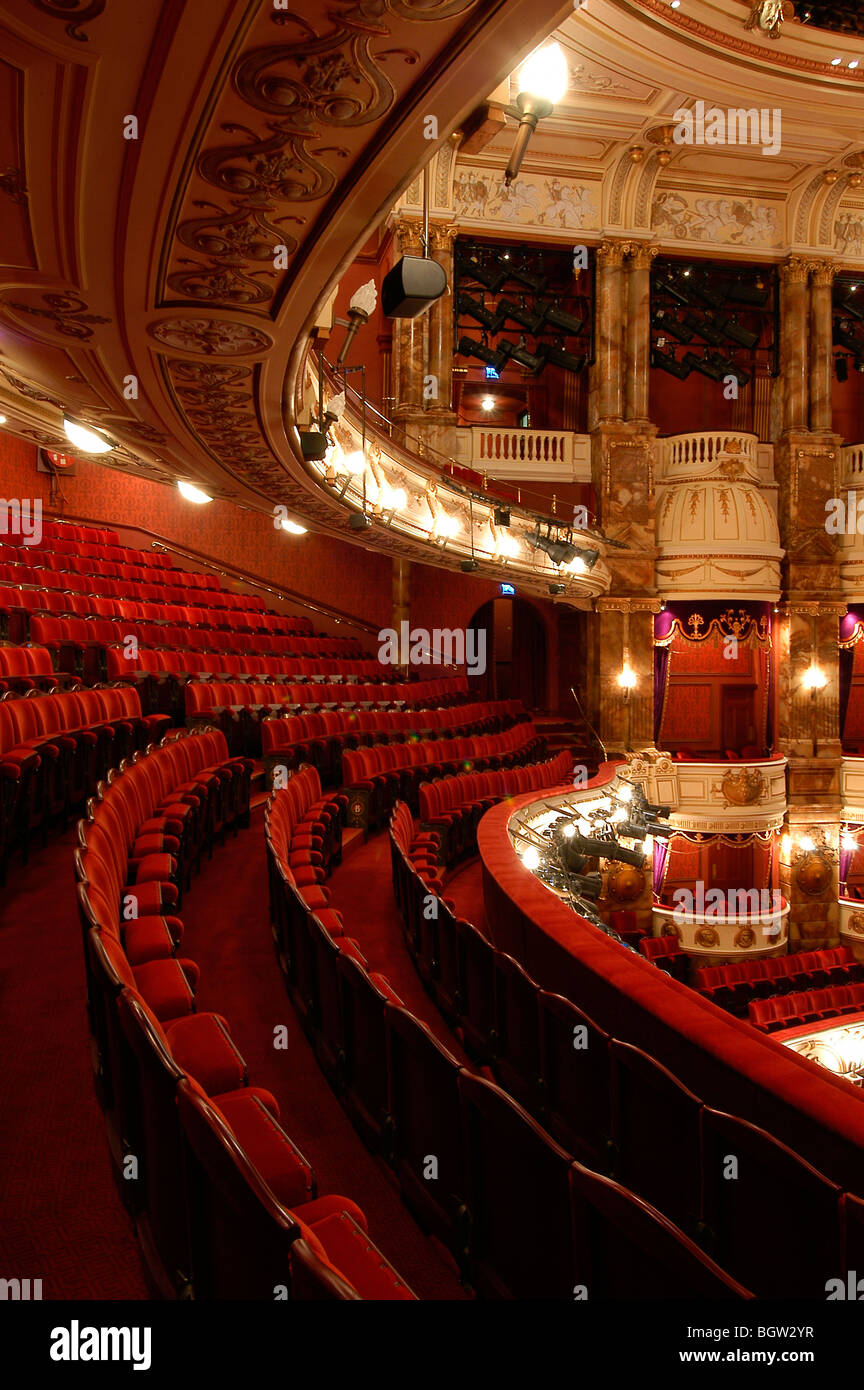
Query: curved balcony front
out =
(716, 796)
(713, 939)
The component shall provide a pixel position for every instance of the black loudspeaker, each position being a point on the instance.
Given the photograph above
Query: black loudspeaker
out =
(411, 286)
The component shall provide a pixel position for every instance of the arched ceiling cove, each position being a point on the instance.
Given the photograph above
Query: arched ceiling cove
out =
(153, 152)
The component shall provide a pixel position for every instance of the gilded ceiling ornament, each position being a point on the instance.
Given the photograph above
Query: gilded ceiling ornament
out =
(76, 12)
(67, 311)
(210, 336)
(768, 15)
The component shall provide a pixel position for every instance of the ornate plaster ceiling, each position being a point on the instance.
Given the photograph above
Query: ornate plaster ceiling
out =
(152, 152)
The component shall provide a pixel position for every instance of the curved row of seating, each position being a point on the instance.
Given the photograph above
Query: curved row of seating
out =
(21, 604)
(805, 1006)
(53, 750)
(377, 777)
(417, 1106)
(320, 738)
(733, 987)
(619, 1110)
(453, 805)
(225, 1204)
(163, 586)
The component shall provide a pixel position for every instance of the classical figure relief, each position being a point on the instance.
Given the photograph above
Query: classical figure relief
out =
(768, 16)
(743, 786)
(539, 202)
(744, 222)
(849, 233)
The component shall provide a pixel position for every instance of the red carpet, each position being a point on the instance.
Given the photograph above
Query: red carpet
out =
(60, 1218)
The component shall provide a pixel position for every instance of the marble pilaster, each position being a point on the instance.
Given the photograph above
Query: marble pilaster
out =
(821, 354)
(638, 340)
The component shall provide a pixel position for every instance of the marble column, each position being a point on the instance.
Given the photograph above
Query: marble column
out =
(793, 341)
(638, 332)
(408, 343)
(821, 344)
(610, 326)
(440, 314)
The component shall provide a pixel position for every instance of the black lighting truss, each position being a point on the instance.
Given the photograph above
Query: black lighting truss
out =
(717, 319)
(524, 306)
(848, 324)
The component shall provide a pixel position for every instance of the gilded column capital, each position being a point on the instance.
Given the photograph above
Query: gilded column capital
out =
(442, 235)
(823, 272)
(409, 232)
(795, 270)
(642, 254)
(611, 252)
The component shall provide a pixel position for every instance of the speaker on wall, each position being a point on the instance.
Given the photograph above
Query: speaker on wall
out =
(411, 286)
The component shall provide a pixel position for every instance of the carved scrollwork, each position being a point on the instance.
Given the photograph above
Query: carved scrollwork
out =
(211, 337)
(76, 12)
(331, 77)
(277, 166)
(67, 312)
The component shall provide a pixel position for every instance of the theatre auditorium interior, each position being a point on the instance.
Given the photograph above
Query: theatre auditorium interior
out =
(432, 650)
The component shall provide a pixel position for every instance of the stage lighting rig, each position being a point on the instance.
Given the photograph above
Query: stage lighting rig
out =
(470, 347)
(666, 322)
(709, 366)
(558, 355)
(732, 330)
(594, 847)
(667, 362)
(530, 319)
(475, 309)
(533, 362)
(491, 279)
(559, 318)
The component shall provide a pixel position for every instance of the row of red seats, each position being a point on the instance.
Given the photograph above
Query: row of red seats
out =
(53, 751)
(90, 535)
(410, 1098)
(613, 1106)
(18, 606)
(667, 955)
(212, 697)
(75, 561)
(734, 986)
(30, 668)
(806, 1006)
(176, 1088)
(320, 738)
(452, 806)
(376, 777)
(170, 591)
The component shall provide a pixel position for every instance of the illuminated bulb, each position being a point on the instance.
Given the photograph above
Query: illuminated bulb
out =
(624, 793)
(87, 440)
(292, 527)
(568, 830)
(584, 826)
(807, 843)
(487, 403)
(2, 419)
(531, 858)
(619, 815)
(835, 62)
(447, 525)
(373, 491)
(848, 842)
(395, 498)
(193, 493)
(854, 63)
(545, 74)
(355, 462)
(508, 546)
(626, 677)
(786, 846)
(814, 678)
(577, 566)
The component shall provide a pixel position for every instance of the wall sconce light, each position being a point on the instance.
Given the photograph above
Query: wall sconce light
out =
(360, 310)
(627, 681)
(814, 680)
(543, 80)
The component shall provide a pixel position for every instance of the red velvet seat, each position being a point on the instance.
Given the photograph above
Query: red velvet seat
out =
(575, 1080)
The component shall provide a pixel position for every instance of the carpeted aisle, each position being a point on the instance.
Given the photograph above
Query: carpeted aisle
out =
(61, 1220)
(227, 931)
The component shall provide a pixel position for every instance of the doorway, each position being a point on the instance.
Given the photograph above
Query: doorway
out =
(515, 652)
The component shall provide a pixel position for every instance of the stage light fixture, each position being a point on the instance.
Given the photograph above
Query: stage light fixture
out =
(559, 318)
(501, 516)
(668, 323)
(669, 282)
(708, 366)
(731, 329)
(531, 319)
(702, 289)
(470, 347)
(595, 848)
(359, 521)
(557, 589)
(533, 362)
(704, 326)
(469, 566)
(667, 362)
(559, 552)
(559, 357)
(532, 281)
(747, 291)
(475, 309)
(472, 264)
(844, 334)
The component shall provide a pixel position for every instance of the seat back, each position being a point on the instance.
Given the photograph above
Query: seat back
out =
(576, 1079)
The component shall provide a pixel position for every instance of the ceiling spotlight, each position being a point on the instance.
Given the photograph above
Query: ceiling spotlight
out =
(559, 552)
(88, 440)
(853, 64)
(193, 493)
(292, 527)
(666, 320)
(559, 357)
(543, 80)
(360, 309)
(531, 858)
(532, 281)
(469, 566)
(835, 62)
(708, 366)
(359, 521)
(488, 404)
(746, 291)
(490, 279)
(501, 516)
(566, 322)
